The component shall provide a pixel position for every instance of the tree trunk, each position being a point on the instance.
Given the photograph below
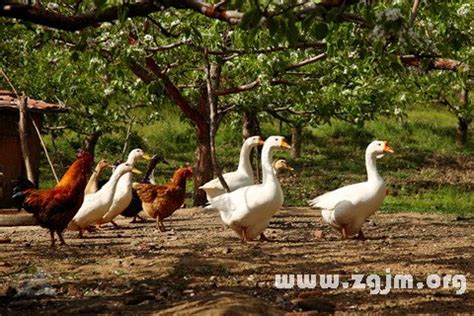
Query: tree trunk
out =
(203, 169)
(90, 141)
(213, 79)
(251, 127)
(250, 124)
(463, 122)
(22, 129)
(462, 130)
(296, 140)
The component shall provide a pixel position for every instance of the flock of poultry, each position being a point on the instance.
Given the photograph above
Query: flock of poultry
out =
(79, 204)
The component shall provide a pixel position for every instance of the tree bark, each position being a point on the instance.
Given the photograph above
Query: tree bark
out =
(213, 73)
(22, 129)
(90, 141)
(463, 122)
(203, 171)
(296, 140)
(462, 131)
(250, 124)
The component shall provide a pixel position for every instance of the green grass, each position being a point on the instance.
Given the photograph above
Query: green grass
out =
(429, 172)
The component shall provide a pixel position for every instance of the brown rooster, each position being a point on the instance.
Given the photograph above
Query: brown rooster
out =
(160, 201)
(54, 208)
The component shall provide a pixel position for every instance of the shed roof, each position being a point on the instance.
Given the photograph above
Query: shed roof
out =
(9, 101)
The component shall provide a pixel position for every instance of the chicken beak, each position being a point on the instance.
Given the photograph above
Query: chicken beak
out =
(284, 144)
(135, 170)
(146, 157)
(387, 149)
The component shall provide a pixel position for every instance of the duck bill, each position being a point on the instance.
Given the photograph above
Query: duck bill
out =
(387, 148)
(284, 144)
(146, 157)
(135, 170)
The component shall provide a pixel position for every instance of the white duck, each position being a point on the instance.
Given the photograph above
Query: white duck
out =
(248, 210)
(347, 208)
(123, 191)
(242, 177)
(95, 205)
(92, 185)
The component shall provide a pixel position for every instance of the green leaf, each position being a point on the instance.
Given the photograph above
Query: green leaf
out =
(320, 30)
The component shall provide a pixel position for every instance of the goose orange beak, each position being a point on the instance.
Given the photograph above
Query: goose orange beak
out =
(284, 144)
(387, 148)
(261, 141)
(134, 170)
(146, 156)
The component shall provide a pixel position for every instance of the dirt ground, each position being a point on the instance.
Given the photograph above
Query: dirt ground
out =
(199, 266)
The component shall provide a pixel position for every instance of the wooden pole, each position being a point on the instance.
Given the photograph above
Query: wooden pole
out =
(22, 130)
(44, 148)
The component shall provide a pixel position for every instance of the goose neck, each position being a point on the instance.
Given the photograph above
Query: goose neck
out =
(244, 161)
(267, 171)
(371, 166)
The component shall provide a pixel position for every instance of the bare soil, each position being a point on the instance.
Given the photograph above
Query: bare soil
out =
(199, 266)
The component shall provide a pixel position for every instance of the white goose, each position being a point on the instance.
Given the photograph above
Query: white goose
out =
(248, 210)
(95, 205)
(242, 177)
(347, 208)
(123, 191)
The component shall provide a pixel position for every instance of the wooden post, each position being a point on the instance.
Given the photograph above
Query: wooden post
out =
(22, 129)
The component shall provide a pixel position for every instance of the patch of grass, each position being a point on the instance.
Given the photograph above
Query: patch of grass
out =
(447, 199)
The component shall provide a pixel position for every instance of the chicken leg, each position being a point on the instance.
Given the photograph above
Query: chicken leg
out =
(161, 226)
(60, 235)
(53, 241)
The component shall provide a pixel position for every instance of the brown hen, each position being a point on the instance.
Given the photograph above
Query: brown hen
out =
(160, 201)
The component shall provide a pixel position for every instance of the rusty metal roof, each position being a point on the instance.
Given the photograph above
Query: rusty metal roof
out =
(9, 101)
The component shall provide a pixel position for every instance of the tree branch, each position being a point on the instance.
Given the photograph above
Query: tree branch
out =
(306, 61)
(434, 63)
(42, 16)
(173, 92)
(240, 89)
(414, 11)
